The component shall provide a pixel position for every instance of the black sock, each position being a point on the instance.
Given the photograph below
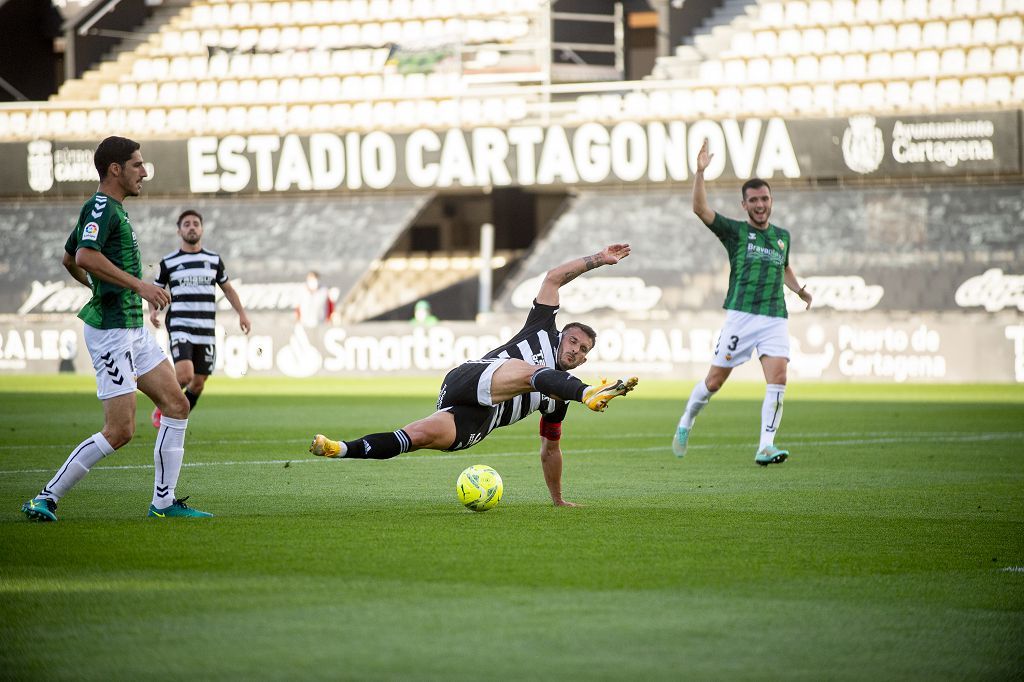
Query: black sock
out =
(378, 445)
(192, 399)
(557, 384)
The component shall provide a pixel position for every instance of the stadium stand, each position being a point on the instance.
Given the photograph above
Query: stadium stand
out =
(831, 57)
(396, 281)
(220, 67)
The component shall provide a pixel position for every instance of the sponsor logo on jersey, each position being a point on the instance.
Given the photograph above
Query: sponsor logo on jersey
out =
(764, 253)
(782, 245)
(91, 231)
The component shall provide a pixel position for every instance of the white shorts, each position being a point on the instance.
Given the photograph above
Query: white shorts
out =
(120, 357)
(742, 332)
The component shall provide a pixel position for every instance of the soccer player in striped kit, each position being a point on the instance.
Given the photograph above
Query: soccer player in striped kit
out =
(102, 253)
(756, 317)
(192, 273)
(528, 373)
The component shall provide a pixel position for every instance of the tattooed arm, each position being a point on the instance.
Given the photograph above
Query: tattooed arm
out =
(566, 272)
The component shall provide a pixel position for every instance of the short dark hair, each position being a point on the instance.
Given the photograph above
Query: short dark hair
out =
(585, 328)
(754, 183)
(185, 214)
(113, 150)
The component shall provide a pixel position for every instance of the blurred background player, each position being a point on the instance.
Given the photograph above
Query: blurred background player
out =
(315, 307)
(526, 374)
(422, 315)
(103, 254)
(190, 273)
(756, 317)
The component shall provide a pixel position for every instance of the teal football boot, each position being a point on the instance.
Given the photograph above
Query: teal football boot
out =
(178, 509)
(680, 441)
(770, 454)
(40, 509)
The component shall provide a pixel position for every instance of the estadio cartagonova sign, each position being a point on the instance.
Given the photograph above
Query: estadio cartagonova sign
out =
(626, 152)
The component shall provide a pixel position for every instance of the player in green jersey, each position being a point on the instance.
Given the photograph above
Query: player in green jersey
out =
(756, 317)
(103, 254)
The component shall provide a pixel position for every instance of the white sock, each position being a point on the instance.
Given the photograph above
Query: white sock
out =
(168, 453)
(771, 413)
(89, 451)
(699, 397)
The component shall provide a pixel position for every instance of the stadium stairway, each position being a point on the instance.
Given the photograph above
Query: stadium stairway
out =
(118, 62)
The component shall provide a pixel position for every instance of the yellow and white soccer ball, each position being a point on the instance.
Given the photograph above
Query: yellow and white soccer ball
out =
(479, 488)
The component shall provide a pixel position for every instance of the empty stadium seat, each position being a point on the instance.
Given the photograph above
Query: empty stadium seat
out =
(947, 92)
(973, 91)
(1005, 58)
(1011, 28)
(908, 35)
(897, 94)
(953, 62)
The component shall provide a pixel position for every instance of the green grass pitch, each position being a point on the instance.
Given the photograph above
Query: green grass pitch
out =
(890, 546)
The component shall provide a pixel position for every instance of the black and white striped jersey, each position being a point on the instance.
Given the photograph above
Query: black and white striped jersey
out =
(191, 278)
(537, 343)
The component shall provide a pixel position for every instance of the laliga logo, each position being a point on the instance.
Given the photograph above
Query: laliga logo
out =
(40, 165)
(299, 358)
(863, 146)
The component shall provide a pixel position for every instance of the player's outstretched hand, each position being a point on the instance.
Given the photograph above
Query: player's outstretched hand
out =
(244, 324)
(703, 158)
(154, 317)
(614, 253)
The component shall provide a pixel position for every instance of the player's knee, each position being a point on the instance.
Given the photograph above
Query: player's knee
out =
(176, 407)
(119, 435)
(435, 433)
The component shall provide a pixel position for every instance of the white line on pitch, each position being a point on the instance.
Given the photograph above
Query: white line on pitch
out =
(961, 438)
(877, 437)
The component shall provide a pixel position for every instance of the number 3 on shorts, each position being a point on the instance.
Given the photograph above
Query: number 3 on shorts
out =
(733, 342)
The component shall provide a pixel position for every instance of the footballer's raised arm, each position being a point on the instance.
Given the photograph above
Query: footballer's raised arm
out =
(566, 272)
(700, 194)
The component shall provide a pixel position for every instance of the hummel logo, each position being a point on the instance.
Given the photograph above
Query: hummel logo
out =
(751, 236)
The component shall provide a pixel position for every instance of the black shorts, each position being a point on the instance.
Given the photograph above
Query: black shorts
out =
(203, 356)
(460, 394)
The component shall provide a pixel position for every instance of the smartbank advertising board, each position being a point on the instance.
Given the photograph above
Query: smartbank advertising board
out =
(976, 143)
(845, 347)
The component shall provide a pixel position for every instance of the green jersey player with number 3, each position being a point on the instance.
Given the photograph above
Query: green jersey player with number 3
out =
(756, 317)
